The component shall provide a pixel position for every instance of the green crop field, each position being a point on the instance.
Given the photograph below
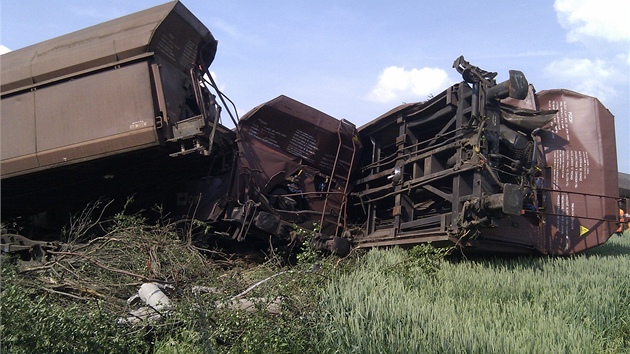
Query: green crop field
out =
(577, 304)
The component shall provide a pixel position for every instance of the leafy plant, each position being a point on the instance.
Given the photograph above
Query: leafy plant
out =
(381, 301)
(33, 322)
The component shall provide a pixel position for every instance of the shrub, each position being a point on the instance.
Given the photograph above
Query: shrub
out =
(33, 322)
(384, 301)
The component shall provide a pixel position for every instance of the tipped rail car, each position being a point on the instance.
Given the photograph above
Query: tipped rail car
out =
(101, 112)
(490, 167)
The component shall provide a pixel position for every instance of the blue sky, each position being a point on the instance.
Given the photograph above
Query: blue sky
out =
(357, 59)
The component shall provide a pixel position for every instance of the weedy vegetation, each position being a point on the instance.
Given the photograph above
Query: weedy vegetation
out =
(417, 300)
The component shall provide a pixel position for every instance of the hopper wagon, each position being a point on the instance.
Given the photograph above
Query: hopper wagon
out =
(115, 110)
(128, 109)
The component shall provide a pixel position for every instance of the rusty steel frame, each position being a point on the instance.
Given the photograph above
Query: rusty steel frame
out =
(458, 152)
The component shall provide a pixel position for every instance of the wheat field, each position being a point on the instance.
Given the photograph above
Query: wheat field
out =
(577, 304)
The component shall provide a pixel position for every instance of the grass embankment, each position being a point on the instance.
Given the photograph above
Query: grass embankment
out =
(577, 304)
(383, 301)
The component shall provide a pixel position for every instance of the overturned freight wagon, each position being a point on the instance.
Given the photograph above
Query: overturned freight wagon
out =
(292, 172)
(114, 110)
(490, 167)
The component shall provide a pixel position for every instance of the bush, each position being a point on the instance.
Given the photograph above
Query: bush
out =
(71, 301)
(383, 301)
(40, 323)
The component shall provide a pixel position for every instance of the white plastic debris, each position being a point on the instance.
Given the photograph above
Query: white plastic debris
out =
(157, 304)
(153, 296)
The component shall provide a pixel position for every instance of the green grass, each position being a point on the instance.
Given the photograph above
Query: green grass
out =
(384, 301)
(578, 304)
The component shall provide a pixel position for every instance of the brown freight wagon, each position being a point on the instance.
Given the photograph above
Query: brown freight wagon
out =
(493, 167)
(97, 112)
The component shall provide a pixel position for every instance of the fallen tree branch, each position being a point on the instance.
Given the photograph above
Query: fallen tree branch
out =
(119, 271)
(258, 284)
(38, 268)
(62, 293)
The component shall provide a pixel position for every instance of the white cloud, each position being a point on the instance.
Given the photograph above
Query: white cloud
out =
(398, 84)
(590, 77)
(4, 49)
(600, 19)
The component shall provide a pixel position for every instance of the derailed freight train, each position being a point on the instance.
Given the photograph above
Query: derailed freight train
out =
(490, 167)
(127, 109)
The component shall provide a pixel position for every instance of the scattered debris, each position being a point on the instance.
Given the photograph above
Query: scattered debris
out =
(157, 304)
